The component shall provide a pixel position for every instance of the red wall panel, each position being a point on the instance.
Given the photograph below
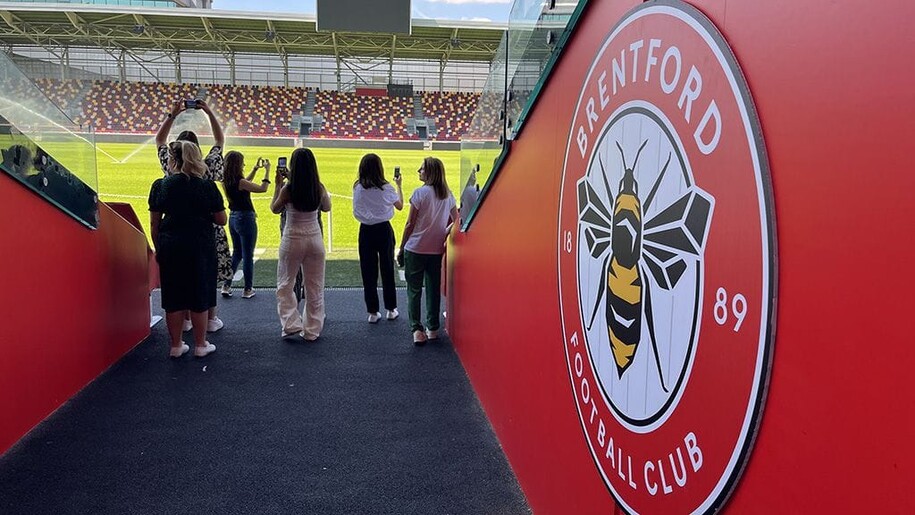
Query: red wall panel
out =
(835, 94)
(74, 301)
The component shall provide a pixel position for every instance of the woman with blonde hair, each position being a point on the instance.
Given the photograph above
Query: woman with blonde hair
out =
(183, 208)
(432, 210)
(302, 245)
(374, 201)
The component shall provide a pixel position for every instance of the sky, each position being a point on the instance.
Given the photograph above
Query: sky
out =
(480, 10)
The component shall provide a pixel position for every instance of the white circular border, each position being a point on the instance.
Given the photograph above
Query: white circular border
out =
(766, 231)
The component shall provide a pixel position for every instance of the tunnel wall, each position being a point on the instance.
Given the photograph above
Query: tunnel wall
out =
(74, 300)
(834, 93)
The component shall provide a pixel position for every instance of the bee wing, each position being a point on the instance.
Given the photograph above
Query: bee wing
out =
(676, 232)
(595, 217)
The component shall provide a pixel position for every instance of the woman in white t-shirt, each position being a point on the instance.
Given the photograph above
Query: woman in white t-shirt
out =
(432, 210)
(374, 200)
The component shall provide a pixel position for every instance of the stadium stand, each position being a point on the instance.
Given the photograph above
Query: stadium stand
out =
(452, 112)
(347, 115)
(258, 110)
(137, 108)
(61, 92)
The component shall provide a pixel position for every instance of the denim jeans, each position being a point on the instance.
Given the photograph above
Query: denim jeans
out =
(243, 228)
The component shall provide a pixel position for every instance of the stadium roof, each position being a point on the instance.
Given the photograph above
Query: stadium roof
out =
(236, 32)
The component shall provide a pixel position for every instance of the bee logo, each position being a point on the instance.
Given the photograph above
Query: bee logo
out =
(639, 255)
(666, 258)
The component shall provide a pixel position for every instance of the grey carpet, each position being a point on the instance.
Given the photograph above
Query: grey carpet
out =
(360, 421)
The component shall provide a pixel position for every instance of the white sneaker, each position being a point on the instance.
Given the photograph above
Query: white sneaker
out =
(419, 338)
(432, 335)
(177, 352)
(214, 325)
(392, 314)
(187, 325)
(373, 318)
(200, 352)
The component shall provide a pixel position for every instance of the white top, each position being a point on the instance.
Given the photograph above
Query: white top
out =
(374, 206)
(433, 214)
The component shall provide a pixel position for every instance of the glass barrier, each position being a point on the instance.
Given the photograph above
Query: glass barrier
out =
(536, 28)
(43, 149)
(483, 144)
(537, 32)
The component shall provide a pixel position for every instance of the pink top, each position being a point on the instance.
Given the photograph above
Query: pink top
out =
(433, 216)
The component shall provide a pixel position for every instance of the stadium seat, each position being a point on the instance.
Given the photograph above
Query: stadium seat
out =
(138, 107)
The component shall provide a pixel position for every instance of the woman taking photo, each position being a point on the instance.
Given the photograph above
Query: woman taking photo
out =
(243, 219)
(302, 245)
(432, 209)
(183, 208)
(374, 200)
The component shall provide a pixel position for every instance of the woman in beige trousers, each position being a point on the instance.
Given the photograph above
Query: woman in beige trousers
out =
(302, 245)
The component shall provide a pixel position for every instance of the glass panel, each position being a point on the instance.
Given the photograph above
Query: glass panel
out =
(43, 149)
(537, 30)
(483, 143)
(534, 32)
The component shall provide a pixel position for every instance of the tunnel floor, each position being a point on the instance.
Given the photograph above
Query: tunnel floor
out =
(360, 421)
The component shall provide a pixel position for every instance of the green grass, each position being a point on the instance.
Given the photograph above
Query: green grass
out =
(126, 171)
(342, 270)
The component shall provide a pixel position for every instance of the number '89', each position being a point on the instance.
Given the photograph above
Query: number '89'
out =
(738, 308)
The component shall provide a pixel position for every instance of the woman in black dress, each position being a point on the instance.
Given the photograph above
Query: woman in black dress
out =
(183, 207)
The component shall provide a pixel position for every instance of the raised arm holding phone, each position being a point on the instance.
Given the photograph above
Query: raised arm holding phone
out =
(374, 201)
(243, 220)
(214, 164)
(302, 245)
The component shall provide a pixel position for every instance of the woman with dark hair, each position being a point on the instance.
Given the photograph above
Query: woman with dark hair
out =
(374, 200)
(302, 245)
(432, 209)
(243, 219)
(183, 207)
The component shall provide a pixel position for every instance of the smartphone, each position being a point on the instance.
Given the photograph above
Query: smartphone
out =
(190, 103)
(281, 163)
(396, 172)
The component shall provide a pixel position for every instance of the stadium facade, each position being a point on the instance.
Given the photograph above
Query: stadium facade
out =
(158, 44)
(198, 4)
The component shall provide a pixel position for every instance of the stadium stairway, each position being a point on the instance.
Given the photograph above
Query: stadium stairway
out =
(418, 105)
(310, 100)
(361, 421)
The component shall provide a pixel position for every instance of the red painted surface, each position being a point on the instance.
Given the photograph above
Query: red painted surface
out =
(834, 92)
(74, 301)
(372, 92)
(125, 211)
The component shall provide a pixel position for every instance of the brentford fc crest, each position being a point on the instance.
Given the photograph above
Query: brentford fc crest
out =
(667, 262)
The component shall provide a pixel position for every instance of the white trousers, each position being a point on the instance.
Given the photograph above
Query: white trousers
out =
(301, 248)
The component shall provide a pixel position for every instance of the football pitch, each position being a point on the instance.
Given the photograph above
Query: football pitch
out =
(126, 171)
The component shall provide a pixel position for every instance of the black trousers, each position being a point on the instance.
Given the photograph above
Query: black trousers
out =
(376, 252)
